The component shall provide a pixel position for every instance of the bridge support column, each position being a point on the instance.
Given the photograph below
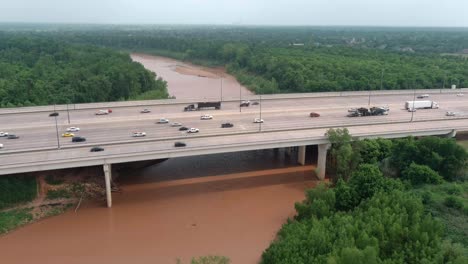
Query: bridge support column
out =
(108, 176)
(452, 134)
(301, 153)
(322, 160)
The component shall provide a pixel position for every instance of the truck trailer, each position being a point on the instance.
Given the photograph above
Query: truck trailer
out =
(364, 111)
(421, 105)
(203, 105)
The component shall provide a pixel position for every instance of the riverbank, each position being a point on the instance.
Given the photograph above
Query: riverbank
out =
(189, 81)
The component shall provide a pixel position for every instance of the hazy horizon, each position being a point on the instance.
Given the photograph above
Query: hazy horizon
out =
(359, 13)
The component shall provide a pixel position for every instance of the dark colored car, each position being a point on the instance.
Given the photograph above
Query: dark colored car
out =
(225, 125)
(54, 114)
(179, 144)
(96, 149)
(11, 136)
(255, 103)
(78, 139)
(183, 128)
(313, 114)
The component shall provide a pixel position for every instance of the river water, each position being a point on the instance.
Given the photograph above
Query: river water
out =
(229, 204)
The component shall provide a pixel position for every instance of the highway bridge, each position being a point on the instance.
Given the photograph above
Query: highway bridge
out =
(286, 124)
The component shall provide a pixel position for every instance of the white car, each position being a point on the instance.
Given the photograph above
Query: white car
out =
(102, 112)
(450, 113)
(163, 121)
(144, 111)
(176, 124)
(3, 134)
(73, 129)
(411, 109)
(139, 134)
(193, 130)
(1, 145)
(460, 94)
(206, 117)
(258, 120)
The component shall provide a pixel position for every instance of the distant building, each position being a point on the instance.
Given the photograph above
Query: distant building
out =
(465, 51)
(298, 44)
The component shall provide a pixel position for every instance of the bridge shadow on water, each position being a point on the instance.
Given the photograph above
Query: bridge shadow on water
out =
(220, 165)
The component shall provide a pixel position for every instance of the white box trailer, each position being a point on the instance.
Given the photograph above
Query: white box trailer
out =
(421, 105)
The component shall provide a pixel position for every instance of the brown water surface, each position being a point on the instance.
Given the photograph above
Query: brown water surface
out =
(188, 81)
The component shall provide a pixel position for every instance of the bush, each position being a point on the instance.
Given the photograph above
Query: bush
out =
(419, 174)
(17, 189)
(57, 194)
(453, 202)
(388, 228)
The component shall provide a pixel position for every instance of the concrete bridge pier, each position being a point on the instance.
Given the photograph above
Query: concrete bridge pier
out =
(322, 160)
(452, 134)
(301, 155)
(108, 176)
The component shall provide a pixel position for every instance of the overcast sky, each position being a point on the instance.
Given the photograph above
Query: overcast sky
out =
(450, 13)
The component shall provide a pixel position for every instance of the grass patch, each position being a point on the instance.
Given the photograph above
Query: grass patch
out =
(54, 180)
(17, 189)
(13, 218)
(57, 194)
(448, 202)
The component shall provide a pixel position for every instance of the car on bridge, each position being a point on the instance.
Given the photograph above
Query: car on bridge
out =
(244, 103)
(162, 121)
(12, 136)
(68, 134)
(139, 134)
(96, 149)
(258, 120)
(313, 114)
(179, 144)
(145, 111)
(78, 139)
(103, 112)
(1, 145)
(183, 128)
(3, 134)
(193, 130)
(73, 129)
(255, 103)
(227, 125)
(450, 113)
(176, 124)
(460, 94)
(206, 117)
(421, 96)
(54, 114)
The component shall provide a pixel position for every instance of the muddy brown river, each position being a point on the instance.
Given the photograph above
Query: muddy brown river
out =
(227, 204)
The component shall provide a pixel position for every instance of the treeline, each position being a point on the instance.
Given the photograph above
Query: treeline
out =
(327, 59)
(39, 70)
(375, 213)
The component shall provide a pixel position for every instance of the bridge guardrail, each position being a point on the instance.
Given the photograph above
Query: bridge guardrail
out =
(101, 105)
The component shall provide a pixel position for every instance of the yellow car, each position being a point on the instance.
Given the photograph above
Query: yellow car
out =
(68, 135)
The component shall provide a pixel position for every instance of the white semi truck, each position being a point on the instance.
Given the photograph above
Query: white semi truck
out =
(421, 105)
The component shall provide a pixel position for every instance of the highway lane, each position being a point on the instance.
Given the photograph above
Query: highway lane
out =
(37, 130)
(216, 142)
(121, 131)
(8, 121)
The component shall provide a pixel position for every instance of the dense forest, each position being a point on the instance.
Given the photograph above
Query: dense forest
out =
(393, 201)
(302, 59)
(265, 59)
(37, 70)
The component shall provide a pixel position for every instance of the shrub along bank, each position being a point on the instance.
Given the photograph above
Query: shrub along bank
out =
(400, 201)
